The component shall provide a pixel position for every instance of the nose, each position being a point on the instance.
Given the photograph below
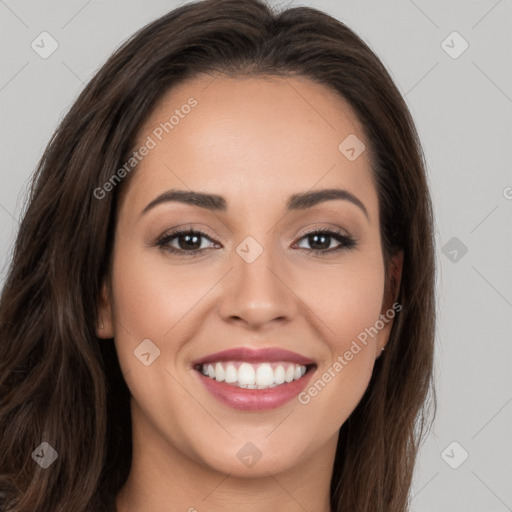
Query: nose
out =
(258, 292)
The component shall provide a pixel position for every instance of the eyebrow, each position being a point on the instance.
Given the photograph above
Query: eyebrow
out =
(215, 202)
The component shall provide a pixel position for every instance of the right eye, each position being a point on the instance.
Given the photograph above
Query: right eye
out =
(188, 239)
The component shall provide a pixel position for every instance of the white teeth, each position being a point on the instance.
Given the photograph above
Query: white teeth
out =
(279, 375)
(254, 376)
(219, 372)
(264, 375)
(246, 374)
(231, 373)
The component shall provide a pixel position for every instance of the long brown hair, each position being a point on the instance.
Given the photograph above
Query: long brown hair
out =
(60, 384)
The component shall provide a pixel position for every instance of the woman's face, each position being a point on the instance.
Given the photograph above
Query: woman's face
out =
(255, 276)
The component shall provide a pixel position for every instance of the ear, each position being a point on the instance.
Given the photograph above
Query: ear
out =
(105, 326)
(389, 304)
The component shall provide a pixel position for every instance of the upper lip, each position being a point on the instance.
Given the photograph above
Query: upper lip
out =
(253, 355)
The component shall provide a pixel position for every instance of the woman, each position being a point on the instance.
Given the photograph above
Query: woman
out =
(222, 289)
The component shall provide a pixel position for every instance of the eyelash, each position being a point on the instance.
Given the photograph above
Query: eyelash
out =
(347, 242)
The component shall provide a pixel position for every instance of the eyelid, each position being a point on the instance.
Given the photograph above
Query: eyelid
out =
(324, 226)
(181, 228)
(305, 230)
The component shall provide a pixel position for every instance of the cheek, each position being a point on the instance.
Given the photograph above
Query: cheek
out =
(351, 305)
(347, 298)
(152, 297)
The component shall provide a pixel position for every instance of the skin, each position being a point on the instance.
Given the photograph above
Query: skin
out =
(255, 141)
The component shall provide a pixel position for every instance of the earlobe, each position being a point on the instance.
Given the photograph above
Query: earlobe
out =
(104, 328)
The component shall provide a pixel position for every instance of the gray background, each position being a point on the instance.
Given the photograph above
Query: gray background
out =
(463, 110)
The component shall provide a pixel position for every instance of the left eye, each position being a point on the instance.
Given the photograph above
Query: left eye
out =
(318, 238)
(189, 241)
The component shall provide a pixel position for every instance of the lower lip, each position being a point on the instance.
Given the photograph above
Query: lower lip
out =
(255, 399)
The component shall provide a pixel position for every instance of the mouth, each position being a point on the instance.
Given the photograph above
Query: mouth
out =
(250, 379)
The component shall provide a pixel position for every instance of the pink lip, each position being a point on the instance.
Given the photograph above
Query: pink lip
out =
(255, 399)
(251, 355)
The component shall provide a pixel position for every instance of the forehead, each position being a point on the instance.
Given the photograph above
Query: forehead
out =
(249, 136)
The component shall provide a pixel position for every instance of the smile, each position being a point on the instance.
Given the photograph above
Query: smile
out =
(254, 379)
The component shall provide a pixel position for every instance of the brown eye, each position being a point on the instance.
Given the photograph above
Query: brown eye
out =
(187, 242)
(320, 241)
